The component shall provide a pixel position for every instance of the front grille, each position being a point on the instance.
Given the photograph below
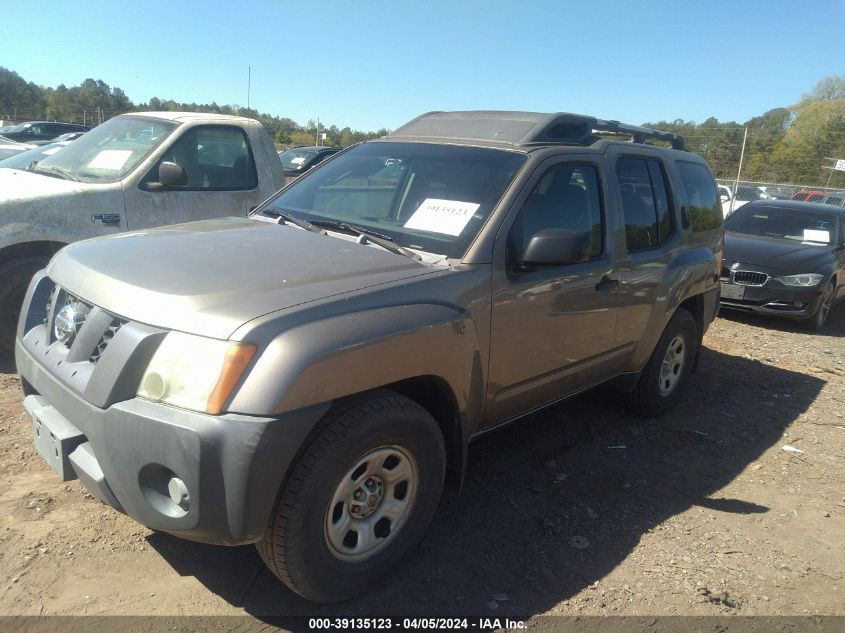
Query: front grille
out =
(61, 297)
(106, 338)
(749, 278)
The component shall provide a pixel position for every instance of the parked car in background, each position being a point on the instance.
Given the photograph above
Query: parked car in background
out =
(11, 148)
(784, 258)
(744, 195)
(304, 378)
(70, 136)
(298, 160)
(41, 132)
(834, 198)
(809, 195)
(28, 159)
(134, 171)
(778, 192)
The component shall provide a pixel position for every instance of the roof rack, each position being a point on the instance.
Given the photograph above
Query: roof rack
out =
(639, 134)
(525, 128)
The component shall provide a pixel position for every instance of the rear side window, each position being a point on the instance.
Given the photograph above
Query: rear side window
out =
(705, 211)
(645, 202)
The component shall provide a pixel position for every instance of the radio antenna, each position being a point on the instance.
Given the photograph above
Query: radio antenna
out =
(246, 162)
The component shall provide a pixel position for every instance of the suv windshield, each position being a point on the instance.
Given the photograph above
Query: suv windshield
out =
(788, 224)
(110, 151)
(433, 198)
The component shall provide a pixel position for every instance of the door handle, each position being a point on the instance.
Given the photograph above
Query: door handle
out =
(606, 285)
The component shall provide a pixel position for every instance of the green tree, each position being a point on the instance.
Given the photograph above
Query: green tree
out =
(817, 133)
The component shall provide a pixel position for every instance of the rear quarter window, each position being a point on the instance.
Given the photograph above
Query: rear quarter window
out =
(705, 210)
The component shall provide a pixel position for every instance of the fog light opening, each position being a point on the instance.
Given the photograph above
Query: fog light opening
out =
(164, 490)
(179, 493)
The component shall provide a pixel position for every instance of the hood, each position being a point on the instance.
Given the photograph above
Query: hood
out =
(774, 254)
(211, 277)
(17, 185)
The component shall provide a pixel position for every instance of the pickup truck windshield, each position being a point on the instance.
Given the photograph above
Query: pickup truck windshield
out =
(108, 152)
(429, 197)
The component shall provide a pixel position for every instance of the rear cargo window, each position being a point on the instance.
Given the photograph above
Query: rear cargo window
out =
(705, 210)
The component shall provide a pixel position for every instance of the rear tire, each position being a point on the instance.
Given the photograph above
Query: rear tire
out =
(359, 497)
(819, 318)
(661, 383)
(15, 275)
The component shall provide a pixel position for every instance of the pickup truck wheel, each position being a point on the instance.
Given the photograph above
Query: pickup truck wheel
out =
(359, 497)
(661, 382)
(16, 275)
(817, 321)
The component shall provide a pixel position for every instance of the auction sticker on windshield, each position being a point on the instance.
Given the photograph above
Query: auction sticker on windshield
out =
(112, 159)
(813, 235)
(442, 216)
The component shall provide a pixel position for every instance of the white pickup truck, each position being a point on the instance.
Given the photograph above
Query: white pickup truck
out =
(135, 171)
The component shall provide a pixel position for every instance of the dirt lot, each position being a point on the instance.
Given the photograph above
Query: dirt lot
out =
(581, 509)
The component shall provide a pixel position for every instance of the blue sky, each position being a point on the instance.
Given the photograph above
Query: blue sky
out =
(378, 64)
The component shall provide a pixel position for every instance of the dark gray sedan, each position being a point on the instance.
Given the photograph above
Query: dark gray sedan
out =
(784, 258)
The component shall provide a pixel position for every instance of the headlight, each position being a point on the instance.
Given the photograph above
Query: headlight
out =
(194, 372)
(806, 279)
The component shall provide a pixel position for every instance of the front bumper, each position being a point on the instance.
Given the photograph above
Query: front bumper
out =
(127, 450)
(776, 299)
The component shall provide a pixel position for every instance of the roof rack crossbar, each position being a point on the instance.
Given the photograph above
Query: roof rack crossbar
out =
(639, 134)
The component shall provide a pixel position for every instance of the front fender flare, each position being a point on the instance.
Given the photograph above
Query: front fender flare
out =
(324, 360)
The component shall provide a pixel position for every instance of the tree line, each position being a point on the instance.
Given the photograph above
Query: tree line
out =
(790, 144)
(94, 101)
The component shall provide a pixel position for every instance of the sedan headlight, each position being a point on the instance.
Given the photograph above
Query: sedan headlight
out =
(806, 279)
(194, 372)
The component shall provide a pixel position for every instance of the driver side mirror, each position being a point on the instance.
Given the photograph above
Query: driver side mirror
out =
(556, 247)
(172, 175)
(169, 175)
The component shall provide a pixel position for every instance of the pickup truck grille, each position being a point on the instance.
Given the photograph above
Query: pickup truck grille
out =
(749, 278)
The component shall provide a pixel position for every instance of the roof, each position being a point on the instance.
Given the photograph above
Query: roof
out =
(312, 148)
(796, 205)
(523, 128)
(185, 117)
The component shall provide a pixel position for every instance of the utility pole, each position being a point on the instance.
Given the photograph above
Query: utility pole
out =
(739, 171)
(838, 165)
(317, 140)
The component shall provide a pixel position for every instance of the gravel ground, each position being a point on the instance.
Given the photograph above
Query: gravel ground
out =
(580, 509)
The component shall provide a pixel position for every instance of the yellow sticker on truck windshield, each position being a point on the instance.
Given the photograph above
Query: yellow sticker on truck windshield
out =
(442, 216)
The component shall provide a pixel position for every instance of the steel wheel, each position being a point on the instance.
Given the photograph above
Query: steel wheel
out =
(672, 367)
(371, 503)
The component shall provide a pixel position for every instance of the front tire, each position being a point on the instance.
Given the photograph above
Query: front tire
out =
(15, 275)
(358, 499)
(819, 318)
(661, 383)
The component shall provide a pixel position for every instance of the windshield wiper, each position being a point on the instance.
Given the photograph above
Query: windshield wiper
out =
(384, 241)
(287, 217)
(54, 172)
